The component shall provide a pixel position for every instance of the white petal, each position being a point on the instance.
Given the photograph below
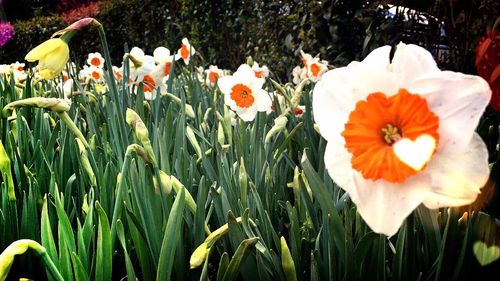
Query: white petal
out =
(246, 114)
(161, 54)
(384, 206)
(412, 61)
(378, 57)
(137, 53)
(338, 163)
(458, 177)
(458, 100)
(226, 84)
(262, 101)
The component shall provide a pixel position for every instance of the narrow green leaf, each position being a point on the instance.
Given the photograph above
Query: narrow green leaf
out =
(223, 264)
(104, 251)
(80, 272)
(239, 258)
(171, 238)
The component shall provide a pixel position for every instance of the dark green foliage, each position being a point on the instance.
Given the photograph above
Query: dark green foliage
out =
(225, 32)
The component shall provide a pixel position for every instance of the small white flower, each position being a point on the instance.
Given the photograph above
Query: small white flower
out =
(260, 72)
(243, 93)
(186, 51)
(95, 59)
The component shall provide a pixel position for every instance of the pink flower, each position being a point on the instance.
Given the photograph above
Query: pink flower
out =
(6, 32)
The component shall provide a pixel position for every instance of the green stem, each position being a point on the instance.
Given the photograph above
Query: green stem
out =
(112, 83)
(72, 126)
(121, 186)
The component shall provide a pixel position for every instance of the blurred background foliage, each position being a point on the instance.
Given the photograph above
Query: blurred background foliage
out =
(273, 32)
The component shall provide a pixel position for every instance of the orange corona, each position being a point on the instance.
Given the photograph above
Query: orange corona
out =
(242, 95)
(377, 123)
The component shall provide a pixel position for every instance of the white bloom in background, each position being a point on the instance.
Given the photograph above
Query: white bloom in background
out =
(278, 100)
(186, 51)
(66, 88)
(400, 133)
(243, 93)
(95, 73)
(17, 66)
(140, 64)
(95, 59)
(299, 74)
(316, 68)
(305, 57)
(213, 73)
(163, 60)
(118, 72)
(260, 71)
(299, 111)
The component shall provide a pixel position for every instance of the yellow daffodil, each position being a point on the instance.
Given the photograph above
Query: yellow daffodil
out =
(52, 55)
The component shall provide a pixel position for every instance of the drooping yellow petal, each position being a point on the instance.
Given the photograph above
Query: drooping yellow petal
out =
(55, 60)
(43, 49)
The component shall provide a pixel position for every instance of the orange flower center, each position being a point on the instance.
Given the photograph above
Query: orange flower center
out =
(166, 71)
(242, 95)
(380, 121)
(19, 68)
(95, 61)
(184, 52)
(213, 76)
(258, 73)
(315, 69)
(96, 75)
(148, 83)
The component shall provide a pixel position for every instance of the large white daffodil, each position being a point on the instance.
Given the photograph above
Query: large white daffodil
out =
(400, 133)
(52, 55)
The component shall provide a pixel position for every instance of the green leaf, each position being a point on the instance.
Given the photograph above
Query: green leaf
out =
(128, 263)
(80, 272)
(223, 264)
(171, 238)
(239, 258)
(104, 252)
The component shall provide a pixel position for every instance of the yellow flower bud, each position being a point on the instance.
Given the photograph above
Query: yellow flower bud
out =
(54, 104)
(199, 255)
(141, 132)
(279, 125)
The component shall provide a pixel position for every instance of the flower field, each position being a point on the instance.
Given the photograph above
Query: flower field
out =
(167, 168)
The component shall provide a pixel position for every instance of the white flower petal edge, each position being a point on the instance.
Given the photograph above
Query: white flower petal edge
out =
(384, 206)
(458, 177)
(411, 61)
(458, 100)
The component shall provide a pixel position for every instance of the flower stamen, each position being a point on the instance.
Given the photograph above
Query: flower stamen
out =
(391, 134)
